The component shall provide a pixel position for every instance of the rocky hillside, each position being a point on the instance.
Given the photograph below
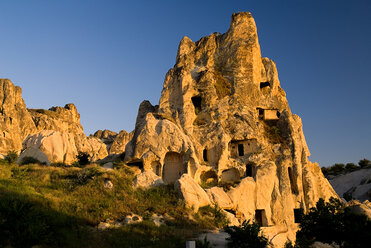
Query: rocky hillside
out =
(353, 185)
(222, 134)
(51, 136)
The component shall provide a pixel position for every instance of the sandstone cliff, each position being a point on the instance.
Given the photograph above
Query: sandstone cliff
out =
(114, 142)
(223, 119)
(15, 121)
(24, 129)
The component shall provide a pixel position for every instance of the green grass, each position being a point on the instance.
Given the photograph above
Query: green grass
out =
(61, 206)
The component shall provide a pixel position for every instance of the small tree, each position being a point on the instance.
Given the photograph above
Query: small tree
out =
(332, 222)
(11, 157)
(83, 158)
(364, 162)
(246, 236)
(351, 167)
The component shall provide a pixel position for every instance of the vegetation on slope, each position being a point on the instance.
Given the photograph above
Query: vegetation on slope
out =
(62, 206)
(338, 169)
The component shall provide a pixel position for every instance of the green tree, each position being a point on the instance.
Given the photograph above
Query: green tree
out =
(246, 236)
(351, 167)
(83, 158)
(11, 157)
(364, 162)
(332, 222)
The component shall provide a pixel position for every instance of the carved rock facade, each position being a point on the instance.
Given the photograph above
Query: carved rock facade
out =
(223, 119)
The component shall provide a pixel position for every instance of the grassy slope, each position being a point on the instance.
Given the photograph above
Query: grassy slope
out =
(60, 207)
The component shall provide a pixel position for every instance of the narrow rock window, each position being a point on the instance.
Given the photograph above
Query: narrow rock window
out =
(205, 155)
(240, 150)
(294, 188)
(298, 213)
(156, 168)
(260, 113)
(260, 217)
(264, 85)
(248, 172)
(196, 100)
(136, 163)
(278, 114)
(11, 120)
(4, 134)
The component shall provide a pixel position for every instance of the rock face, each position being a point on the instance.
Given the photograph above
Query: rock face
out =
(223, 119)
(23, 129)
(356, 184)
(114, 142)
(15, 121)
(50, 147)
(67, 120)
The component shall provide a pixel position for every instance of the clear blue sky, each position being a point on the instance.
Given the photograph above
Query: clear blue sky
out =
(107, 56)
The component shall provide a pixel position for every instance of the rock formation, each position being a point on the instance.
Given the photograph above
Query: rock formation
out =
(114, 142)
(223, 120)
(15, 121)
(353, 185)
(53, 135)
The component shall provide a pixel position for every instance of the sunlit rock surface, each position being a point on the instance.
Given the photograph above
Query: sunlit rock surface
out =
(223, 120)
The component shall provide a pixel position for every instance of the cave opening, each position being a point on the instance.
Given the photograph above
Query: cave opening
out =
(264, 85)
(197, 100)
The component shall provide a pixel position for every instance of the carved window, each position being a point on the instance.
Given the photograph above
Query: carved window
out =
(249, 170)
(294, 188)
(260, 217)
(205, 155)
(240, 150)
(264, 85)
(196, 100)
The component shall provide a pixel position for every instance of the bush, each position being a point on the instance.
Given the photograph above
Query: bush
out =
(246, 235)
(364, 162)
(11, 157)
(351, 167)
(212, 216)
(83, 158)
(203, 243)
(29, 160)
(81, 177)
(331, 222)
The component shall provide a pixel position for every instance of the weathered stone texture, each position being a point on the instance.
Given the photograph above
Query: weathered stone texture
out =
(224, 119)
(21, 125)
(15, 121)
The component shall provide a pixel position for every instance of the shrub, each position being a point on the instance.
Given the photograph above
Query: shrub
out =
(203, 243)
(11, 157)
(29, 160)
(81, 177)
(364, 162)
(246, 236)
(83, 158)
(351, 167)
(212, 216)
(331, 222)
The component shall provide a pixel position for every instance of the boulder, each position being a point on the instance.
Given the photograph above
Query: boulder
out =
(192, 193)
(50, 147)
(219, 197)
(132, 219)
(108, 166)
(147, 179)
